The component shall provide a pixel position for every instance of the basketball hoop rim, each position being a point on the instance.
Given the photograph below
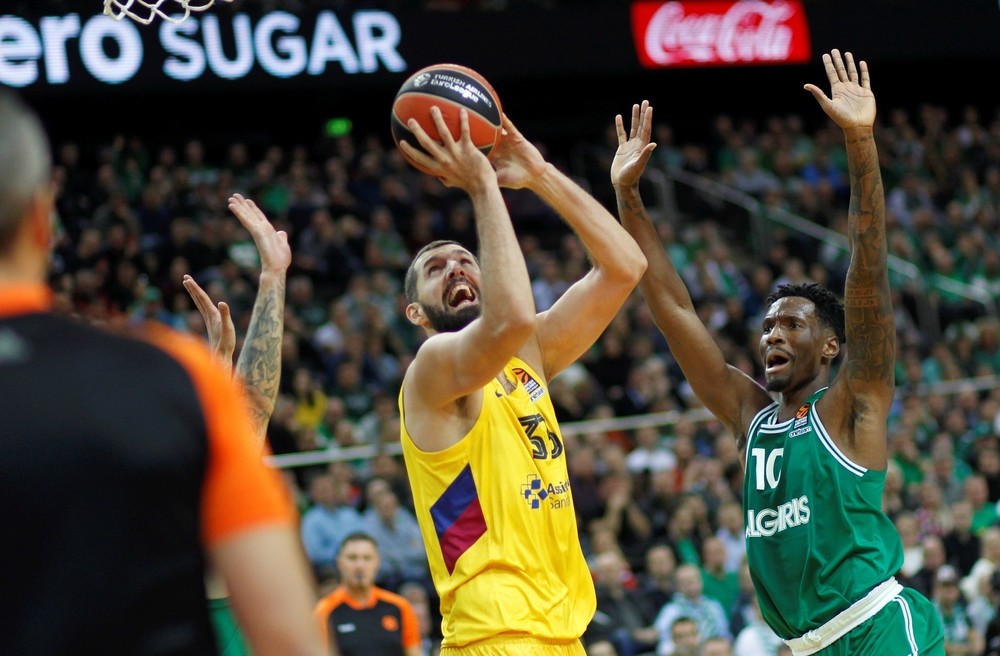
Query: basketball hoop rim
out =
(146, 11)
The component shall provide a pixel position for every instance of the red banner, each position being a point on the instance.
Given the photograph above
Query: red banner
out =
(720, 33)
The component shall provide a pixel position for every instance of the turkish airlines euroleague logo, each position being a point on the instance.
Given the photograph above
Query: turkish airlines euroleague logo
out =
(720, 33)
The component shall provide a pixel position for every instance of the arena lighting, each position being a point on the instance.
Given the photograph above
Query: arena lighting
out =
(338, 127)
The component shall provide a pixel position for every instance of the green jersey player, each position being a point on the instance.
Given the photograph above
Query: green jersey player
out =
(821, 552)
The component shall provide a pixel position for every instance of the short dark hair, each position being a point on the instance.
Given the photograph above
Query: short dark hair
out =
(829, 309)
(684, 619)
(410, 281)
(358, 536)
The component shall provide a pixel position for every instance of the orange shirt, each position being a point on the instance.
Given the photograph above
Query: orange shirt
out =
(384, 625)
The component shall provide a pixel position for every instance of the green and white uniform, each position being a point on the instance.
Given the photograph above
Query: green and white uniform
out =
(817, 539)
(228, 633)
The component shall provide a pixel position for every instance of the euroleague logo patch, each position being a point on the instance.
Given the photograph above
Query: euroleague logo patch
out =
(390, 623)
(531, 386)
(799, 426)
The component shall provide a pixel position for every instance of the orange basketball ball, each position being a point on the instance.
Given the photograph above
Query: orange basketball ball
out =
(450, 87)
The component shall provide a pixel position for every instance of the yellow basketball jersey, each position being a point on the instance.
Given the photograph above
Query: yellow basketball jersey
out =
(496, 513)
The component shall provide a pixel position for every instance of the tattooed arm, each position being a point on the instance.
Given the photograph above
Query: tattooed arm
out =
(259, 363)
(864, 390)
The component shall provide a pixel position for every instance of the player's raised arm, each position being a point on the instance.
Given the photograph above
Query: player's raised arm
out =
(865, 388)
(727, 392)
(577, 319)
(259, 363)
(478, 313)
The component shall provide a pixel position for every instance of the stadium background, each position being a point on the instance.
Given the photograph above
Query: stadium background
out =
(563, 69)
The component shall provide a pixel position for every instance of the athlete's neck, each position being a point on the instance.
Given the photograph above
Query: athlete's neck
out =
(791, 399)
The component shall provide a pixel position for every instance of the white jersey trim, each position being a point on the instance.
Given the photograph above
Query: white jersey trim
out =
(827, 441)
(758, 419)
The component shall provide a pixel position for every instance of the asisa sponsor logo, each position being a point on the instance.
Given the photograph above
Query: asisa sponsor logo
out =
(534, 491)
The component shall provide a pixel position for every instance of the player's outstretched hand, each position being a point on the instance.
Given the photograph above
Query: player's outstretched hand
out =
(275, 253)
(634, 147)
(518, 161)
(851, 102)
(218, 322)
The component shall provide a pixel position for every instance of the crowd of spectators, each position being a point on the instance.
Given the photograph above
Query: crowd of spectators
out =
(658, 506)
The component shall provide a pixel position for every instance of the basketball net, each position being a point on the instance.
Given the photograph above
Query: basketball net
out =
(144, 11)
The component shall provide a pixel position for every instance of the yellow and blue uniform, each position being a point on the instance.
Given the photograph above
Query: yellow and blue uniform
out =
(497, 518)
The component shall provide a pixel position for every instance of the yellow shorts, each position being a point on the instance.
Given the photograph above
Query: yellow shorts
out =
(518, 646)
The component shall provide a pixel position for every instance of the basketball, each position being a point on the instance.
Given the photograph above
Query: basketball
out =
(450, 87)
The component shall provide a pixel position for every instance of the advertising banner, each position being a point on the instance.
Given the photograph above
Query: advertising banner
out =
(720, 33)
(226, 48)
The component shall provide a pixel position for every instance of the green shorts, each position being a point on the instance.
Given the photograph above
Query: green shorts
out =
(907, 626)
(228, 635)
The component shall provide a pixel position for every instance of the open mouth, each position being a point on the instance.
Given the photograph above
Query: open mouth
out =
(460, 294)
(776, 361)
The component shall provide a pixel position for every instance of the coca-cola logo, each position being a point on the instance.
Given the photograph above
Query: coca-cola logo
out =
(720, 33)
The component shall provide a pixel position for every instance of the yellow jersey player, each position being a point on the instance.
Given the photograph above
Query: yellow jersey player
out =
(484, 454)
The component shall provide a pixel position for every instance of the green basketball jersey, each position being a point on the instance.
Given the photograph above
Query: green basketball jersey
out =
(817, 539)
(228, 634)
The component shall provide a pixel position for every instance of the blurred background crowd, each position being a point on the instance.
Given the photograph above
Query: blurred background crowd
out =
(658, 501)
